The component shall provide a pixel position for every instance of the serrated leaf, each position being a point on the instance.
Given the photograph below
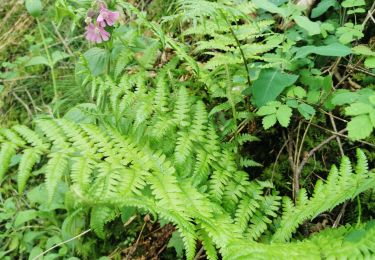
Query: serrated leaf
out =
(322, 7)
(298, 92)
(363, 50)
(270, 84)
(283, 115)
(306, 110)
(344, 97)
(359, 127)
(358, 109)
(266, 110)
(269, 121)
(34, 7)
(311, 27)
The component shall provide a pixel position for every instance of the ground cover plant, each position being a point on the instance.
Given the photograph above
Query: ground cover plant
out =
(187, 129)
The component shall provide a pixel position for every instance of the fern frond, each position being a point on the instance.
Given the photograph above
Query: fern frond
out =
(100, 215)
(341, 185)
(12, 137)
(208, 245)
(199, 123)
(29, 135)
(56, 167)
(362, 163)
(182, 108)
(7, 151)
(29, 158)
(81, 173)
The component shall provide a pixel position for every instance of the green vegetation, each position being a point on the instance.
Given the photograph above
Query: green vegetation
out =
(187, 129)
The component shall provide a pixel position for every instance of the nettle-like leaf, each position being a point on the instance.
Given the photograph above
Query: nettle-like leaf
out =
(349, 32)
(273, 112)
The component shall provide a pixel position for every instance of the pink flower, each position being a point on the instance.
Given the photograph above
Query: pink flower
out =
(95, 33)
(106, 16)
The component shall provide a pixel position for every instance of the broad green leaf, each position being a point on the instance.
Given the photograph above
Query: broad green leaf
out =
(372, 117)
(269, 121)
(34, 7)
(333, 50)
(80, 113)
(370, 62)
(59, 55)
(344, 97)
(372, 99)
(270, 84)
(177, 243)
(312, 28)
(278, 2)
(357, 11)
(270, 7)
(322, 7)
(35, 252)
(352, 3)
(363, 50)
(306, 110)
(25, 216)
(283, 115)
(358, 109)
(266, 110)
(38, 60)
(359, 127)
(97, 60)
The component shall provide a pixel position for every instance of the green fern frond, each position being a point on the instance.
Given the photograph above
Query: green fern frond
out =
(100, 215)
(12, 137)
(208, 245)
(7, 151)
(341, 185)
(55, 169)
(182, 108)
(29, 158)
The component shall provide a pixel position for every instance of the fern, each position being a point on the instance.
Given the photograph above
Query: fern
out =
(7, 151)
(341, 185)
(179, 171)
(101, 215)
(29, 158)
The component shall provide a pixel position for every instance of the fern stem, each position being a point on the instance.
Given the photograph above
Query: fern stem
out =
(359, 211)
(239, 47)
(50, 62)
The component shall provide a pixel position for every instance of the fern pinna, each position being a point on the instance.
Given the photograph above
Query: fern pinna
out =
(153, 147)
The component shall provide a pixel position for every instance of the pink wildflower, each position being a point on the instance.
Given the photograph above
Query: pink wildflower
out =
(106, 16)
(95, 33)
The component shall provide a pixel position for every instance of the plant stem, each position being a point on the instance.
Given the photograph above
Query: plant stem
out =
(49, 60)
(359, 211)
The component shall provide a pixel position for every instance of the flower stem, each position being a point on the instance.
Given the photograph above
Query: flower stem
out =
(51, 65)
